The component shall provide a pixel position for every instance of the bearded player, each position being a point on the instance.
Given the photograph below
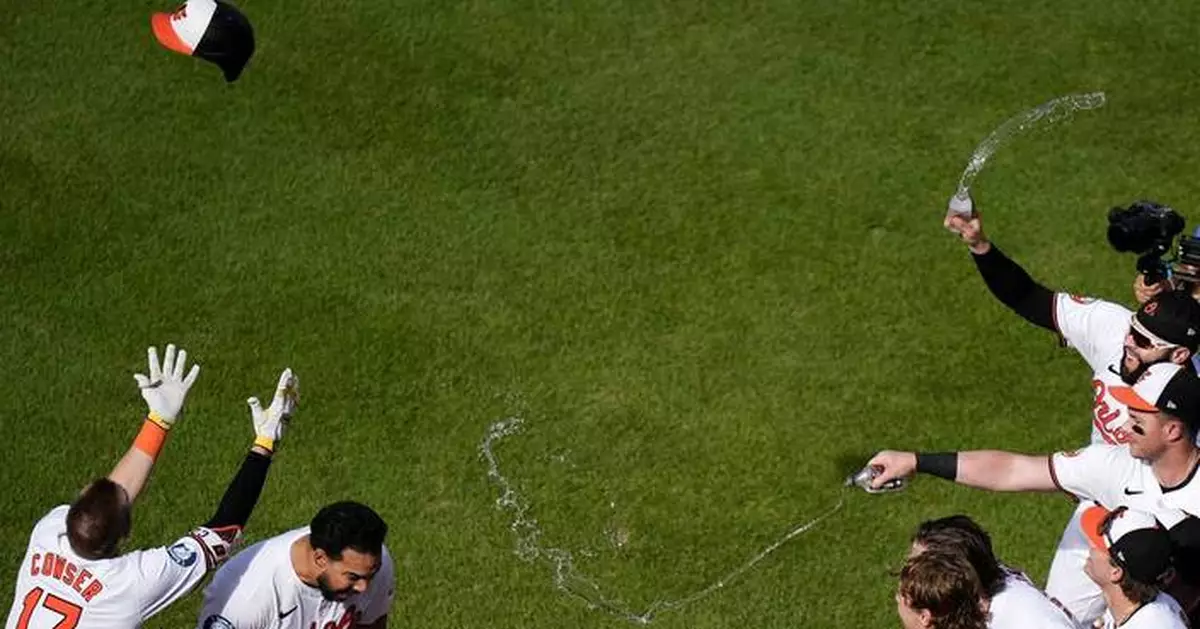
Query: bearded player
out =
(74, 575)
(335, 573)
(1118, 344)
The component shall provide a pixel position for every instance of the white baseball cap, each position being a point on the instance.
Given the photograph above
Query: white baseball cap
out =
(1167, 388)
(1133, 539)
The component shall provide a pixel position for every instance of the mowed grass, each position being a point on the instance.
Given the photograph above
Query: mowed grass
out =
(695, 246)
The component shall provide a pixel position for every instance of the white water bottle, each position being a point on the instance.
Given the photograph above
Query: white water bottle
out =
(863, 479)
(961, 204)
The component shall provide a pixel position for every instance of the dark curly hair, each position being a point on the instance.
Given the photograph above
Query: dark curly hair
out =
(960, 534)
(347, 524)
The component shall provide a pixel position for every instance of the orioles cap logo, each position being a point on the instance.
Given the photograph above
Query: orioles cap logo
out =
(1151, 308)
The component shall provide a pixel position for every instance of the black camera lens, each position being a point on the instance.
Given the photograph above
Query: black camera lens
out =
(1143, 227)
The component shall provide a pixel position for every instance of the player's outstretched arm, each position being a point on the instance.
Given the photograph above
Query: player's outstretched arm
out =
(997, 470)
(269, 425)
(164, 390)
(1007, 281)
(993, 470)
(171, 573)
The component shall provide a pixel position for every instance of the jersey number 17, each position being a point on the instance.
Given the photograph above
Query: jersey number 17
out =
(69, 611)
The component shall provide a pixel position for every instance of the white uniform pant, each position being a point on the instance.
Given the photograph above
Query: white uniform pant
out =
(1067, 581)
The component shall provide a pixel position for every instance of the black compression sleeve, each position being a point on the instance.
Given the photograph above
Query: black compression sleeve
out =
(940, 464)
(242, 493)
(1015, 289)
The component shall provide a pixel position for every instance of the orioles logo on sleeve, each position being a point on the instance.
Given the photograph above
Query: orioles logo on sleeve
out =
(217, 621)
(182, 555)
(1082, 299)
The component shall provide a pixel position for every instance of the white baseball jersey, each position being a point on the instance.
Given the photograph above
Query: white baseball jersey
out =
(1021, 605)
(1096, 329)
(1110, 476)
(259, 589)
(1161, 613)
(1067, 582)
(56, 589)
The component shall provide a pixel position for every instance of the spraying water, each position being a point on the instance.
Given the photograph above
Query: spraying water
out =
(569, 579)
(1045, 114)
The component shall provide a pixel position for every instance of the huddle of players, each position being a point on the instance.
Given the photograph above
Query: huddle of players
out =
(334, 573)
(1130, 556)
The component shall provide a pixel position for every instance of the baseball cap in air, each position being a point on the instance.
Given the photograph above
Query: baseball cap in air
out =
(1133, 539)
(1173, 317)
(213, 30)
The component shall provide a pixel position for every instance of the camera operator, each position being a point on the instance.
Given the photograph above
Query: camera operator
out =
(1118, 345)
(1186, 275)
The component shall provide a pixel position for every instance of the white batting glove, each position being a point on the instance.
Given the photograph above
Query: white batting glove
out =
(166, 387)
(269, 424)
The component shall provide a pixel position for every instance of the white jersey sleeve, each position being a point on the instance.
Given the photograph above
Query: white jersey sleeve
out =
(237, 608)
(1091, 326)
(1094, 473)
(383, 588)
(1021, 605)
(242, 594)
(169, 573)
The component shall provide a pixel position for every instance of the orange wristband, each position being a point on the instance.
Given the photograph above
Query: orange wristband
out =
(150, 439)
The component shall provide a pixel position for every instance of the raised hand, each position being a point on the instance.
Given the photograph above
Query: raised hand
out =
(270, 423)
(166, 388)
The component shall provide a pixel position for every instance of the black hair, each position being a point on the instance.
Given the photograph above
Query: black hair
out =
(960, 534)
(347, 524)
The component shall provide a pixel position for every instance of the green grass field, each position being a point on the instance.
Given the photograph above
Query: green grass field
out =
(696, 247)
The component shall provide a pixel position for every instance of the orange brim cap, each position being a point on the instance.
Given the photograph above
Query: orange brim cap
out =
(1091, 521)
(1130, 398)
(165, 33)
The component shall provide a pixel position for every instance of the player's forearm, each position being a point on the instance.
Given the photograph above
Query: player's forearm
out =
(1015, 288)
(132, 471)
(243, 491)
(996, 470)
